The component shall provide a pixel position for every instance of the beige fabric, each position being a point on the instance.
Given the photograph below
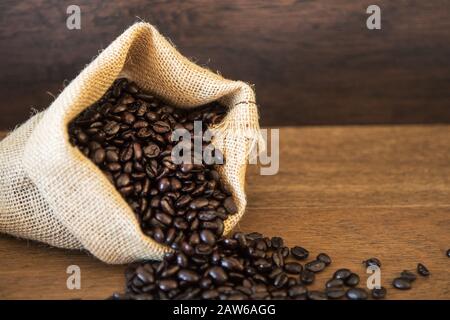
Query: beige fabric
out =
(51, 193)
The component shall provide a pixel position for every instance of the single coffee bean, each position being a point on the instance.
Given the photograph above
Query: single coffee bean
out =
(335, 292)
(307, 277)
(208, 237)
(161, 127)
(422, 270)
(299, 253)
(151, 150)
(163, 184)
(352, 280)
(164, 218)
(334, 283)
(297, 290)
(188, 276)
(198, 203)
(123, 180)
(230, 205)
(167, 284)
(372, 262)
(324, 258)
(218, 274)
(357, 294)
(316, 295)
(379, 293)
(280, 280)
(342, 274)
(99, 156)
(277, 242)
(408, 275)
(232, 264)
(112, 156)
(315, 266)
(448, 253)
(401, 283)
(203, 249)
(293, 267)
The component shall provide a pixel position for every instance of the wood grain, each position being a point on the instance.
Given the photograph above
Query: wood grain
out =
(312, 62)
(352, 192)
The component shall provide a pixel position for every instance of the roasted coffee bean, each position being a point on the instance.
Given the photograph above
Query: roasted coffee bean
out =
(299, 253)
(188, 276)
(167, 285)
(99, 156)
(372, 262)
(448, 253)
(334, 283)
(379, 293)
(342, 274)
(163, 185)
(218, 274)
(161, 127)
(408, 275)
(335, 292)
(316, 295)
(297, 290)
(208, 237)
(307, 277)
(352, 280)
(232, 264)
(293, 267)
(112, 156)
(280, 280)
(126, 154)
(113, 167)
(123, 180)
(166, 206)
(315, 266)
(164, 218)
(278, 259)
(203, 249)
(111, 128)
(198, 203)
(324, 258)
(401, 283)
(230, 205)
(151, 150)
(357, 294)
(422, 270)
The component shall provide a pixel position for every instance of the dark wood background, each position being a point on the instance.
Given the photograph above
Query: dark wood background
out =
(312, 62)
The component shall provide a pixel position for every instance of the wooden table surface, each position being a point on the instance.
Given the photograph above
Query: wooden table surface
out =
(352, 192)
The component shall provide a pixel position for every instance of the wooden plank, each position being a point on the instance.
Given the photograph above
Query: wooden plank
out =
(312, 62)
(352, 192)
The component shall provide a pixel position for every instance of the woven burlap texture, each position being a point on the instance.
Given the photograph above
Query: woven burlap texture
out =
(51, 193)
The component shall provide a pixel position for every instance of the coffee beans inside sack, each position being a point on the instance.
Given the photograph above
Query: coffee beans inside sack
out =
(128, 135)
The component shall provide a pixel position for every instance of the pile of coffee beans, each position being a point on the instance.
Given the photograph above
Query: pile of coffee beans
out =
(128, 135)
(249, 266)
(243, 266)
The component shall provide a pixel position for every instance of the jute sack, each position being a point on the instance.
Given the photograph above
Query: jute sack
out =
(51, 193)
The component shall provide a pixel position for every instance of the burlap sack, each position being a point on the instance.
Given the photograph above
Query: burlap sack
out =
(51, 193)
